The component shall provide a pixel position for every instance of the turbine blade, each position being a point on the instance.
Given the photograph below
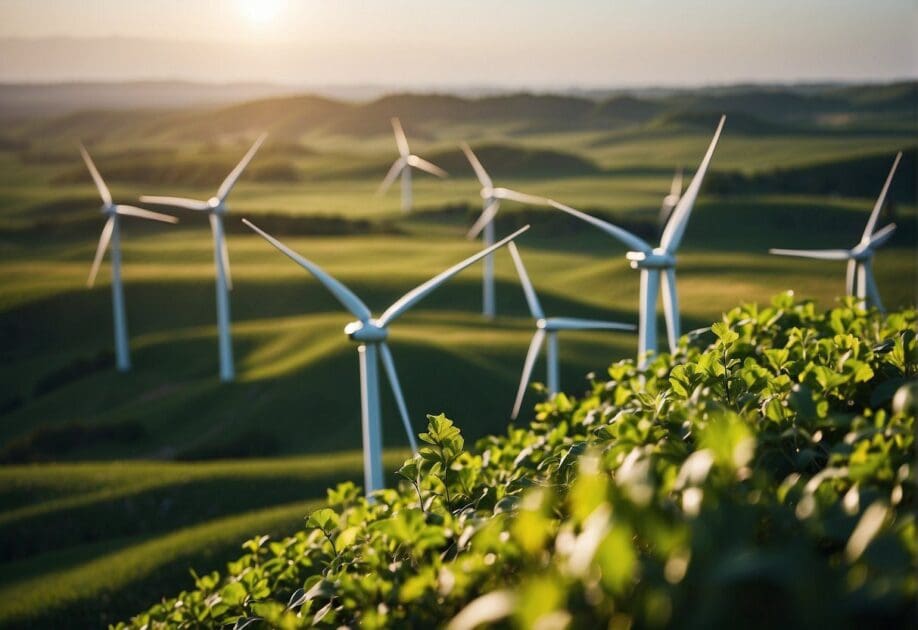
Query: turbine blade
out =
(531, 298)
(418, 293)
(626, 237)
(675, 228)
(344, 295)
(671, 308)
(666, 209)
(670, 200)
(513, 195)
(573, 323)
(879, 238)
(851, 277)
(873, 293)
(484, 218)
(675, 188)
(400, 138)
(480, 171)
(133, 211)
(230, 180)
(821, 254)
(224, 252)
(96, 177)
(389, 365)
(531, 355)
(390, 177)
(176, 202)
(875, 214)
(424, 165)
(104, 238)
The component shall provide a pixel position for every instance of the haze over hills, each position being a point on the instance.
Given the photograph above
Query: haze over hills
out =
(789, 100)
(199, 110)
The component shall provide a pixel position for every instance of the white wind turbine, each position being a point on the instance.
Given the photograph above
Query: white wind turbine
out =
(403, 165)
(215, 207)
(491, 197)
(548, 327)
(111, 236)
(859, 280)
(371, 334)
(656, 261)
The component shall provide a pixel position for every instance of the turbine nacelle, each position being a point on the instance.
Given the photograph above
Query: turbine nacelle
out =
(366, 332)
(862, 253)
(658, 258)
(215, 204)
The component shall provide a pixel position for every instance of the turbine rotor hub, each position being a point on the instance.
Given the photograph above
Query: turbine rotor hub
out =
(369, 332)
(861, 253)
(549, 325)
(216, 205)
(659, 258)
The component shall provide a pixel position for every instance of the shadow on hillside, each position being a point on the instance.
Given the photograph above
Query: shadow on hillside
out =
(166, 507)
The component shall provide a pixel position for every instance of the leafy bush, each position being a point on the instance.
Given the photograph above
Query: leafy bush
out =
(763, 476)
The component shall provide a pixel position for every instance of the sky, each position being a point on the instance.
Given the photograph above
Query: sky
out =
(511, 43)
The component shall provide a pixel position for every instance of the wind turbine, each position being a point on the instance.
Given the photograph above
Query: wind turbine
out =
(111, 236)
(547, 327)
(215, 207)
(403, 165)
(485, 224)
(653, 262)
(371, 334)
(670, 200)
(859, 280)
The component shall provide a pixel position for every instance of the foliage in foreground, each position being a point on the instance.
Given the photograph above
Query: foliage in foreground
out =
(765, 478)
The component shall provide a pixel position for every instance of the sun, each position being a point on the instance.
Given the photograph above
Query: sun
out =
(260, 11)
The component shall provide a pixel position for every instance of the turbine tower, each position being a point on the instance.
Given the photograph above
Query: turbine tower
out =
(485, 224)
(371, 334)
(111, 236)
(403, 165)
(859, 280)
(216, 208)
(654, 262)
(547, 327)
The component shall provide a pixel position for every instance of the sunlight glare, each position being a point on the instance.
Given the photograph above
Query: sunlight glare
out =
(260, 11)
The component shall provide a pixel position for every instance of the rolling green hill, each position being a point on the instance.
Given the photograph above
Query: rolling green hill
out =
(135, 477)
(884, 108)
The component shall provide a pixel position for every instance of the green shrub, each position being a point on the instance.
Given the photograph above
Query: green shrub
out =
(761, 477)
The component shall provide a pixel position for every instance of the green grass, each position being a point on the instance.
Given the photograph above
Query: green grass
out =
(86, 543)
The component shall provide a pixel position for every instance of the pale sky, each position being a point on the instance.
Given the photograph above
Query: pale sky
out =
(534, 43)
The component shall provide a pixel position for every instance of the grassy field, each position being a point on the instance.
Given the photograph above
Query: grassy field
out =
(109, 521)
(89, 543)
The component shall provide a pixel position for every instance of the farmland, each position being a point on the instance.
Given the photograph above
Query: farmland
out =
(93, 456)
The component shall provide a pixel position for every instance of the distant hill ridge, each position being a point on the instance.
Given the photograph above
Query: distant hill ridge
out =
(762, 109)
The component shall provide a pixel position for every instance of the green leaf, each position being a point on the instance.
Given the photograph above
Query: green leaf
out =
(325, 519)
(617, 559)
(724, 333)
